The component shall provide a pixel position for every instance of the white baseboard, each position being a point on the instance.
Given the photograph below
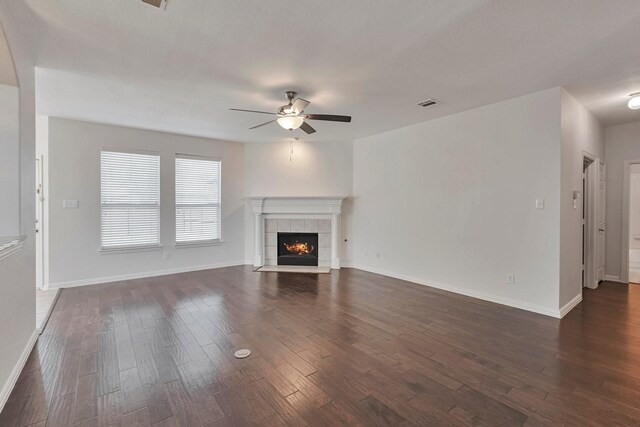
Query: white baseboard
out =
(51, 307)
(570, 305)
(610, 278)
(141, 275)
(468, 292)
(7, 388)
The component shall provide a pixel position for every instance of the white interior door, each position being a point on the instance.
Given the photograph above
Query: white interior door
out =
(590, 224)
(601, 214)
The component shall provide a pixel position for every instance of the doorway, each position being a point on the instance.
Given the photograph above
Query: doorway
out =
(45, 298)
(40, 284)
(593, 221)
(632, 235)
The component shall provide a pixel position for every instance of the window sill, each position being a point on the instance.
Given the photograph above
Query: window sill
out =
(129, 249)
(10, 246)
(182, 245)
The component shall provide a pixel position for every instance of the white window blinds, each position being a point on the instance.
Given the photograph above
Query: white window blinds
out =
(130, 199)
(197, 199)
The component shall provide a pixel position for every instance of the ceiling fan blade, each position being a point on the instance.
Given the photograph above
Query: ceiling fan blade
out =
(251, 111)
(263, 124)
(329, 117)
(299, 105)
(307, 127)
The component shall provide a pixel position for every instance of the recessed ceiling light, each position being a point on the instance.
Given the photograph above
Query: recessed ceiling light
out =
(634, 102)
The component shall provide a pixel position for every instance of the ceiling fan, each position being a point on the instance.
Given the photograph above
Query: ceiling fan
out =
(292, 116)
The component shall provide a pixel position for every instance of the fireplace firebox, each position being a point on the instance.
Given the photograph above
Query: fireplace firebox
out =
(298, 249)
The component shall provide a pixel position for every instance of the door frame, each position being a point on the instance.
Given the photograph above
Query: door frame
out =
(626, 195)
(41, 282)
(601, 221)
(589, 205)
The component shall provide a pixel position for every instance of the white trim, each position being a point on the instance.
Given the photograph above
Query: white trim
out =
(51, 307)
(626, 188)
(197, 243)
(590, 201)
(468, 292)
(12, 248)
(296, 205)
(197, 157)
(7, 388)
(329, 207)
(617, 279)
(129, 249)
(570, 305)
(132, 276)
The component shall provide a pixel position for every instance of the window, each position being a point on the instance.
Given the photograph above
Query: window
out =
(197, 199)
(130, 199)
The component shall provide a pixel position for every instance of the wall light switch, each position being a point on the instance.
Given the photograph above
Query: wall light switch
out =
(539, 203)
(70, 204)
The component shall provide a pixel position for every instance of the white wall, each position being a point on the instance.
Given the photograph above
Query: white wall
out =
(74, 235)
(17, 272)
(634, 207)
(622, 143)
(451, 202)
(9, 161)
(581, 132)
(314, 169)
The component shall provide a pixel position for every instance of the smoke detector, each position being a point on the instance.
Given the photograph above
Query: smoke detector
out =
(428, 103)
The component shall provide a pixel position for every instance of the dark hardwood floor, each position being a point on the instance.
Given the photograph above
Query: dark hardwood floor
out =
(347, 348)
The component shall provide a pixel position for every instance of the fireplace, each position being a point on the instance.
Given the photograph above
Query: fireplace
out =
(298, 248)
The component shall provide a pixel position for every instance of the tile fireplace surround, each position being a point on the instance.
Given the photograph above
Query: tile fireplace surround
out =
(305, 214)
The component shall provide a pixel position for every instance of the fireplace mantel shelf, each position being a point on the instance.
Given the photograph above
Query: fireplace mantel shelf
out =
(302, 205)
(322, 206)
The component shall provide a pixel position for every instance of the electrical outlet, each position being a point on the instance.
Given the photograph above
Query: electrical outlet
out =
(378, 255)
(166, 255)
(511, 279)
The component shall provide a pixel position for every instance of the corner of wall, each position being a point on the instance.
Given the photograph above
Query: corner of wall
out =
(17, 296)
(580, 133)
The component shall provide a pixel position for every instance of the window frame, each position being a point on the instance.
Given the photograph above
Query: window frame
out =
(202, 242)
(131, 248)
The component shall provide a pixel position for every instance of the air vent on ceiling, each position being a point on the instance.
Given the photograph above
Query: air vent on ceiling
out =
(428, 103)
(162, 4)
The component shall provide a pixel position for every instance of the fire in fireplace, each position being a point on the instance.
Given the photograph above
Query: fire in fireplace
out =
(298, 249)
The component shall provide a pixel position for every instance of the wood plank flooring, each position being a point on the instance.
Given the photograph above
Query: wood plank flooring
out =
(347, 348)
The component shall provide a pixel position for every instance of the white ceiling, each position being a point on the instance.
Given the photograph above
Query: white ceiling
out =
(179, 70)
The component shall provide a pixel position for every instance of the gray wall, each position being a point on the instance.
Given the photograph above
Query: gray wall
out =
(17, 273)
(451, 202)
(581, 132)
(622, 143)
(74, 173)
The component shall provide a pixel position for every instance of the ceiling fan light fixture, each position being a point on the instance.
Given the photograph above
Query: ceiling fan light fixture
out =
(290, 122)
(634, 102)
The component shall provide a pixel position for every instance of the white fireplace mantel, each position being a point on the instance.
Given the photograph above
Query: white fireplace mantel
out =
(296, 207)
